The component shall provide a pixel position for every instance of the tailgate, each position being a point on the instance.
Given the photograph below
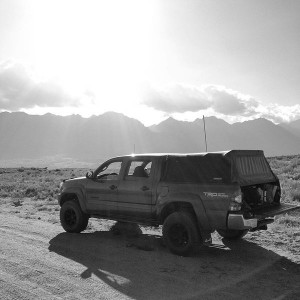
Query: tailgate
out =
(276, 210)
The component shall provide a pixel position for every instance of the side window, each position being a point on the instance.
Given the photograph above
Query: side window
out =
(197, 169)
(111, 171)
(180, 170)
(139, 169)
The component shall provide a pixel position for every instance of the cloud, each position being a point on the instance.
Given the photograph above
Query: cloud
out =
(182, 98)
(175, 99)
(18, 89)
(279, 113)
(229, 102)
(185, 101)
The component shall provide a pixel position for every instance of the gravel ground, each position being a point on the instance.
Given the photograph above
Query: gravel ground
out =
(40, 261)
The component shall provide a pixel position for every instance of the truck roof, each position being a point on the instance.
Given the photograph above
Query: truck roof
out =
(216, 153)
(244, 166)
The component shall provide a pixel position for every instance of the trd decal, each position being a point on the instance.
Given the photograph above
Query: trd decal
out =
(221, 195)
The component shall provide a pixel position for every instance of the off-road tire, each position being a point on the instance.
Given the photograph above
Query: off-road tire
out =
(180, 233)
(231, 234)
(72, 218)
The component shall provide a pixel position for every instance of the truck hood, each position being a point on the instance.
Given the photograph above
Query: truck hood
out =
(74, 181)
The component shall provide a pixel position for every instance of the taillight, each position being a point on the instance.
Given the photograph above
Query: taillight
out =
(236, 203)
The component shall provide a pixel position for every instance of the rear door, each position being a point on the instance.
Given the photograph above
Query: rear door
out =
(135, 197)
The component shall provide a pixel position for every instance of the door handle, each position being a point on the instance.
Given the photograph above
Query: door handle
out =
(113, 187)
(145, 188)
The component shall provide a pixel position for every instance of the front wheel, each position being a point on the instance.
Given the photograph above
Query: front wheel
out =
(232, 234)
(180, 233)
(72, 218)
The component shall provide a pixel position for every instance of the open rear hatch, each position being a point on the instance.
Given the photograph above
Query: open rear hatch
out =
(249, 167)
(260, 187)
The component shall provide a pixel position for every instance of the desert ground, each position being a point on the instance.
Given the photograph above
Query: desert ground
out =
(38, 260)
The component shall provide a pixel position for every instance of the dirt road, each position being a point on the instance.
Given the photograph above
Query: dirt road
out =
(39, 261)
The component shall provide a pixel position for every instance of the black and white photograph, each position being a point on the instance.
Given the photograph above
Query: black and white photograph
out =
(149, 149)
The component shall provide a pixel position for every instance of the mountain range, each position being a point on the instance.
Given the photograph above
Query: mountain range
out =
(24, 136)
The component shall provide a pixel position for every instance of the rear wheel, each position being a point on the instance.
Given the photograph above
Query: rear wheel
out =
(232, 234)
(180, 233)
(72, 218)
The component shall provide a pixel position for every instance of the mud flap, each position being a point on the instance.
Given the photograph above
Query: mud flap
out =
(206, 238)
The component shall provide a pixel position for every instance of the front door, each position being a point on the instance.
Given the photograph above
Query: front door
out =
(102, 189)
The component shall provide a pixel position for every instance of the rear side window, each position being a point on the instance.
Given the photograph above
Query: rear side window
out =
(138, 169)
(197, 169)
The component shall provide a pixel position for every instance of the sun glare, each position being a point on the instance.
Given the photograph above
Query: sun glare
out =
(102, 46)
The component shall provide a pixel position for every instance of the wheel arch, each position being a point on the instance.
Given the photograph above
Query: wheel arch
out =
(176, 206)
(192, 204)
(73, 195)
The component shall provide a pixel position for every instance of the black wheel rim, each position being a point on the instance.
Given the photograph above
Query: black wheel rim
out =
(70, 217)
(178, 235)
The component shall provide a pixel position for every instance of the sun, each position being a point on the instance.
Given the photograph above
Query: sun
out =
(99, 46)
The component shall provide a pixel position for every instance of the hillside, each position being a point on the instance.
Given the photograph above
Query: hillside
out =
(293, 127)
(24, 136)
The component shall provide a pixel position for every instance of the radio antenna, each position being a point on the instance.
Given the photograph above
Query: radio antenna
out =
(205, 134)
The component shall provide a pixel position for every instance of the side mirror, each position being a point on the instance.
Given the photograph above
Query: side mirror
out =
(89, 174)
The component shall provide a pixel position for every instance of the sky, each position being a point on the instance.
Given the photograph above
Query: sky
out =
(150, 60)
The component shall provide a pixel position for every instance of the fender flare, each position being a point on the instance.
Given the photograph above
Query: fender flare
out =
(191, 199)
(65, 196)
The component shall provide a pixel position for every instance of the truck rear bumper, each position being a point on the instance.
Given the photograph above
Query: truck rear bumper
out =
(263, 216)
(238, 222)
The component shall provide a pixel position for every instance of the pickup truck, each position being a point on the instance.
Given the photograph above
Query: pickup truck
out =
(190, 195)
